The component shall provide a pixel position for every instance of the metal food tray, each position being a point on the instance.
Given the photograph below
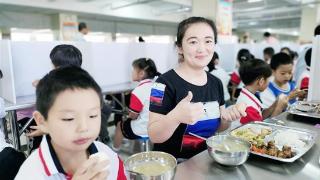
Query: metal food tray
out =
(305, 135)
(310, 113)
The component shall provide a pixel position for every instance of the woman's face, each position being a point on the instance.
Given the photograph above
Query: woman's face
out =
(197, 45)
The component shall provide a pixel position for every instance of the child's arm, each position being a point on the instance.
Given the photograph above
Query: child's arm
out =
(296, 93)
(277, 107)
(133, 115)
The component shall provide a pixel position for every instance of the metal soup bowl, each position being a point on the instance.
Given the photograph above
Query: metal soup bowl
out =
(147, 159)
(228, 150)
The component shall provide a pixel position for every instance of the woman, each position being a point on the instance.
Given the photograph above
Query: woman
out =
(188, 101)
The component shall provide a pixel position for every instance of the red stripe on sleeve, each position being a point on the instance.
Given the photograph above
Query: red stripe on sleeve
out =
(252, 115)
(304, 83)
(235, 78)
(135, 103)
(121, 173)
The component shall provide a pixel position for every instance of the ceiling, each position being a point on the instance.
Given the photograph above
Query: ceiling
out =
(256, 14)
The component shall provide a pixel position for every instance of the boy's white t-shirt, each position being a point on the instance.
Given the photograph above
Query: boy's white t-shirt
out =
(42, 163)
(268, 97)
(225, 78)
(139, 103)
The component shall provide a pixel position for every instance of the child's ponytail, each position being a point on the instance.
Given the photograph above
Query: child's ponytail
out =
(147, 65)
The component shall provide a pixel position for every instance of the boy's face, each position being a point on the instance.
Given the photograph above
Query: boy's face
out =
(74, 120)
(283, 73)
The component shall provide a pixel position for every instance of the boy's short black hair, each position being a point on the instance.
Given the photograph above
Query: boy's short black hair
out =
(59, 80)
(269, 51)
(253, 70)
(65, 55)
(280, 59)
(307, 57)
(82, 25)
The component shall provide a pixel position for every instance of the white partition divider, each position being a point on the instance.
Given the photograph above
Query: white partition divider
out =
(108, 63)
(7, 89)
(227, 56)
(314, 83)
(30, 62)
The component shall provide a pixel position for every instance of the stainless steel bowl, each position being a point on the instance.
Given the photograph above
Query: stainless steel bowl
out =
(143, 158)
(228, 155)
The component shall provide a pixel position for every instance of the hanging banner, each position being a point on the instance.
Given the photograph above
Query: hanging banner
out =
(224, 17)
(68, 27)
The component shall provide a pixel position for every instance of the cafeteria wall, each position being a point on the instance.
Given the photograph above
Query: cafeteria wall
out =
(28, 19)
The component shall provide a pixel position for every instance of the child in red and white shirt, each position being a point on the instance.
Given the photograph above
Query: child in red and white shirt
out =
(144, 71)
(243, 56)
(255, 74)
(303, 81)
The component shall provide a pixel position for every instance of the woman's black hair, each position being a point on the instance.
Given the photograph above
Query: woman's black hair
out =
(184, 25)
(148, 66)
(244, 55)
(211, 66)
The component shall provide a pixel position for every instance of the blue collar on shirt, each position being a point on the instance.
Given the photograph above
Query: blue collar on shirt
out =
(276, 91)
(92, 149)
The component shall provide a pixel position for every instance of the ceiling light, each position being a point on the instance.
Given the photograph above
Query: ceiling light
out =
(254, 1)
(252, 23)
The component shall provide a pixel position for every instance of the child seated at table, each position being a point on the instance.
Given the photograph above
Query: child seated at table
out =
(303, 81)
(281, 65)
(235, 80)
(255, 74)
(144, 71)
(69, 102)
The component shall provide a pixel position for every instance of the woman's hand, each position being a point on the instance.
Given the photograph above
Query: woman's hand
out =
(188, 112)
(233, 112)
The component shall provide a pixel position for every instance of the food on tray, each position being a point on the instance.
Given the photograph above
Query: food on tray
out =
(279, 145)
(289, 138)
(271, 150)
(251, 135)
(308, 107)
(305, 107)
